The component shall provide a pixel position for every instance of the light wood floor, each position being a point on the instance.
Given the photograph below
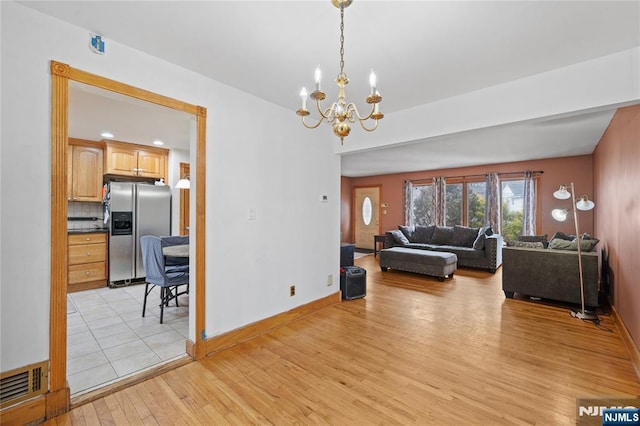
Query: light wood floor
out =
(414, 351)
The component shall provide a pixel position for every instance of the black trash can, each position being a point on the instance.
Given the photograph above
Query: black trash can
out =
(353, 282)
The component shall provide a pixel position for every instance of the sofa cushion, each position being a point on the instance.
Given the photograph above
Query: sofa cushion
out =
(560, 244)
(527, 244)
(483, 233)
(464, 236)
(461, 252)
(562, 236)
(423, 234)
(421, 246)
(587, 237)
(534, 239)
(408, 231)
(442, 235)
(399, 237)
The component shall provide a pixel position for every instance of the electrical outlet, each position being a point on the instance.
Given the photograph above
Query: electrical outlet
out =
(330, 279)
(292, 290)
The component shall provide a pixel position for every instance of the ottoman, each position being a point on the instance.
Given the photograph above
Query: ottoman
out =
(434, 263)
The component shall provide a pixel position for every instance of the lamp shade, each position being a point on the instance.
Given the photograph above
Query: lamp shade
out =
(559, 214)
(585, 203)
(562, 193)
(184, 183)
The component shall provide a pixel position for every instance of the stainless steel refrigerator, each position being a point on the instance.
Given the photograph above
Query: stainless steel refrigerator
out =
(135, 210)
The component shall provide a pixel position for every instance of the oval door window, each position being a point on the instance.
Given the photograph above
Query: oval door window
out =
(366, 210)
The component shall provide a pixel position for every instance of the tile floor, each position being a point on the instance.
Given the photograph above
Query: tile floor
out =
(108, 339)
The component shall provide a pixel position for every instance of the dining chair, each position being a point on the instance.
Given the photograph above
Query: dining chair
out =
(168, 277)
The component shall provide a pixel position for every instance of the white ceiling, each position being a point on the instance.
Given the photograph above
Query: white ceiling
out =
(93, 110)
(422, 51)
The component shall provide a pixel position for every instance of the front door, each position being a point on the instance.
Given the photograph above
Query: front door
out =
(367, 212)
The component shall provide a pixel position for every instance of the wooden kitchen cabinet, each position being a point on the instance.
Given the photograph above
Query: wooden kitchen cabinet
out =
(84, 170)
(127, 159)
(87, 261)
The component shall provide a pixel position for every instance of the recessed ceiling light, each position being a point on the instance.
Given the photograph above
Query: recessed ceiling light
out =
(106, 134)
(158, 142)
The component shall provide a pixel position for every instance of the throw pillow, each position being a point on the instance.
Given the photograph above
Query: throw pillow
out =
(563, 236)
(587, 242)
(586, 236)
(560, 244)
(535, 239)
(407, 231)
(464, 236)
(423, 234)
(483, 232)
(399, 237)
(527, 244)
(442, 235)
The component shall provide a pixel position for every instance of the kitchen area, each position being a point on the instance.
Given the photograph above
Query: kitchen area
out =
(117, 192)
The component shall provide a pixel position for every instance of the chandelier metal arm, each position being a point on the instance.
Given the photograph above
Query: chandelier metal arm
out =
(327, 112)
(353, 108)
(313, 126)
(375, 126)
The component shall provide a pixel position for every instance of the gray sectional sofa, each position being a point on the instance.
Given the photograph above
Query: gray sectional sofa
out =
(550, 274)
(475, 247)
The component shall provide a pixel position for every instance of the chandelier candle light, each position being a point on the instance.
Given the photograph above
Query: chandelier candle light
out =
(341, 113)
(561, 215)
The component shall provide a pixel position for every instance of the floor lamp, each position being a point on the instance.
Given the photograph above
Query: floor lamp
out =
(561, 215)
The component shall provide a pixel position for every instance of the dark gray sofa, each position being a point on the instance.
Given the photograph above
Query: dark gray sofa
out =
(550, 274)
(488, 257)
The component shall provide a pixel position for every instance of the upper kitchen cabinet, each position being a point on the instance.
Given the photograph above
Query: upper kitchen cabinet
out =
(85, 169)
(127, 159)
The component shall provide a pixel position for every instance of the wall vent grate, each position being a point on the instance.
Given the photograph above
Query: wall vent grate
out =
(23, 383)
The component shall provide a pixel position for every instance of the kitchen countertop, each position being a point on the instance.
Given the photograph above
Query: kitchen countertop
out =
(87, 230)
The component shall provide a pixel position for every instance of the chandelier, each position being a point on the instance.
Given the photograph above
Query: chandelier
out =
(341, 113)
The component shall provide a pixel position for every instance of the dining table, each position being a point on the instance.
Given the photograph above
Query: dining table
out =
(181, 250)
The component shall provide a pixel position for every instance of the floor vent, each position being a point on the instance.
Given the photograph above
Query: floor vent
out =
(23, 383)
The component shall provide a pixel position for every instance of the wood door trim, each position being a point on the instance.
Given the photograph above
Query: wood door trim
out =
(353, 207)
(58, 397)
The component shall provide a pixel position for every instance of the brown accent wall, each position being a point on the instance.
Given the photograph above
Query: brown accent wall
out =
(346, 194)
(557, 171)
(616, 163)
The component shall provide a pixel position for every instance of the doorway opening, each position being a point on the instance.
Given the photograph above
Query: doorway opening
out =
(58, 397)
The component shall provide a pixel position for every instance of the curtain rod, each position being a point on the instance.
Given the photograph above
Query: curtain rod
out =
(535, 172)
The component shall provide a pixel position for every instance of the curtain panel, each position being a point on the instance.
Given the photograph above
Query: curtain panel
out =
(492, 208)
(439, 200)
(529, 204)
(408, 193)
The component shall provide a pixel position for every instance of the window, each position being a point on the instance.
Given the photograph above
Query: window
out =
(512, 197)
(454, 204)
(465, 204)
(367, 211)
(476, 197)
(422, 205)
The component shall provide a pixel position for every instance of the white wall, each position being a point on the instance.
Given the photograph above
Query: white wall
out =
(258, 156)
